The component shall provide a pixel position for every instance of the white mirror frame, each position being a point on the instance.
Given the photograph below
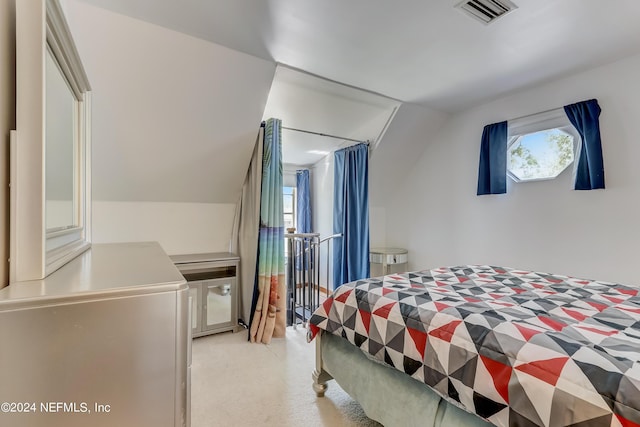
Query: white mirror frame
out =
(34, 253)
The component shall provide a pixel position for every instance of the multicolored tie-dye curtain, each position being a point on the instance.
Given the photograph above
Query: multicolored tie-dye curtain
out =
(269, 317)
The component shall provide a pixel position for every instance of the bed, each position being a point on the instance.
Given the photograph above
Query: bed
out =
(476, 345)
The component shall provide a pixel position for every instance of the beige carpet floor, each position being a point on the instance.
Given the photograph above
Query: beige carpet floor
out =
(235, 383)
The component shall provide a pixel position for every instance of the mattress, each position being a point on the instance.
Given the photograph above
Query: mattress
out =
(513, 347)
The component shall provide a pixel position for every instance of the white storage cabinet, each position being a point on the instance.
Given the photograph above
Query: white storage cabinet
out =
(213, 288)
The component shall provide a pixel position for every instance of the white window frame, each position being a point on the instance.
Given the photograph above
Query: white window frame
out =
(548, 120)
(293, 204)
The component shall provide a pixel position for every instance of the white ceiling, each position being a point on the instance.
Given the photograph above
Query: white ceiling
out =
(306, 102)
(421, 51)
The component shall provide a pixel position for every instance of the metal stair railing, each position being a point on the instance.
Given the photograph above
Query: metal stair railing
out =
(303, 274)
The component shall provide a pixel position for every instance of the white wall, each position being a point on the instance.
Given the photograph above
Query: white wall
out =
(545, 225)
(289, 174)
(321, 180)
(175, 120)
(400, 147)
(7, 122)
(181, 228)
(413, 128)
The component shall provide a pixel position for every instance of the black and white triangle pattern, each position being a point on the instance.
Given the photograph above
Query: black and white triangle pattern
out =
(515, 347)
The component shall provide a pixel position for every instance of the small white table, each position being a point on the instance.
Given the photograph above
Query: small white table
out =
(385, 261)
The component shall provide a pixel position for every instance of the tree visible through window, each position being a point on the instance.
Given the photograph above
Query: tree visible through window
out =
(540, 155)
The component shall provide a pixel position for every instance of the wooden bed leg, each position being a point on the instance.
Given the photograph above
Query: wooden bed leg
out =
(318, 386)
(319, 376)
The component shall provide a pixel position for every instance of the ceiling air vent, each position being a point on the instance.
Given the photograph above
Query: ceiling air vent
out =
(486, 11)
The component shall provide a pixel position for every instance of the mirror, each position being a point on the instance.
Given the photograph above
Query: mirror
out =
(60, 149)
(50, 149)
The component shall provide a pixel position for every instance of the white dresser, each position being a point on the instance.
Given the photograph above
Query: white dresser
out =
(103, 341)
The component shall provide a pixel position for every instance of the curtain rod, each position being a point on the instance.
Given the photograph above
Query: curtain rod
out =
(535, 114)
(324, 134)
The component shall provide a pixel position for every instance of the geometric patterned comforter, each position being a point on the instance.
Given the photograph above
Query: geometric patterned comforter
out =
(517, 348)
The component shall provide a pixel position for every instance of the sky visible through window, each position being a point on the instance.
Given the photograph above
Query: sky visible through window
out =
(540, 155)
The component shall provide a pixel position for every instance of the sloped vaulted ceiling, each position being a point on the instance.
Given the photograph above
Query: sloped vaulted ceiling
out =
(175, 118)
(419, 51)
(187, 107)
(310, 103)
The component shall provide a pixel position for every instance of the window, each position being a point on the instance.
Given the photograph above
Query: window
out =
(540, 155)
(542, 148)
(288, 198)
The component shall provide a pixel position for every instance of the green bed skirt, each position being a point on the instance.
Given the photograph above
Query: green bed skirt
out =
(387, 395)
